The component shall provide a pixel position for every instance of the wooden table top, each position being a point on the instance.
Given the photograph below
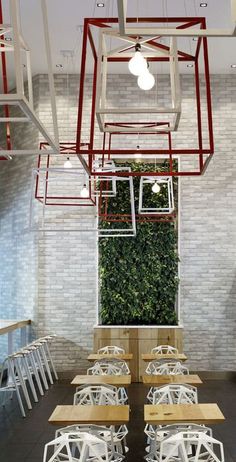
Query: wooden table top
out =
(124, 356)
(11, 324)
(100, 415)
(158, 380)
(152, 356)
(116, 380)
(180, 413)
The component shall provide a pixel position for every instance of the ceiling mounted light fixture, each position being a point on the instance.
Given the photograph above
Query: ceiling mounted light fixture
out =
(138, 64)
(203, 5)
(100, 5)
(68, 163)
(233, 66)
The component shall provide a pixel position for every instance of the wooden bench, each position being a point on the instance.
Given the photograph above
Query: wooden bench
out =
(158, 380)
(170, 356)
(116, 380)
(97, 356)
(182, 413)
(99, 415)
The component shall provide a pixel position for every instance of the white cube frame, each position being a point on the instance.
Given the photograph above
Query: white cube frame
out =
(17, 46)
(168, 181)
(123, 232)
(107, 166)
(170, 31)
(102, 110)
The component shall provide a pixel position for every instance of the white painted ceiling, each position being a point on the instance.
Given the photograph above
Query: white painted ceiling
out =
(66, 20)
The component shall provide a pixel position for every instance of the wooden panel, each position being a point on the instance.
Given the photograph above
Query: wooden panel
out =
(100, 415)
(137, 341)
(116, 380)
(157, 380)
(170, 356)
(125, 357)
(8, 326)
(180, 413)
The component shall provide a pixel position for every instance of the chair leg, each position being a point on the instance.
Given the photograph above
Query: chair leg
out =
(29, 377)
(51, 361)
(46, 365)
(41, 369)
(11, 372)
(22, 383)
(36, 374)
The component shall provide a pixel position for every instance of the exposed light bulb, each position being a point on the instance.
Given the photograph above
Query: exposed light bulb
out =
(84, 191)
(146, 80)
(68, 163)
(138, 64)
(138, 156)
(156, 188)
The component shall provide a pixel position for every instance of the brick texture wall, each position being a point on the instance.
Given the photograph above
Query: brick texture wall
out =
(52, 278)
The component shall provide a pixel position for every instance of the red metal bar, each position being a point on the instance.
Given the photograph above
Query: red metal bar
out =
(199, 116)
(112, 20)
(81, 90)
(208, 93)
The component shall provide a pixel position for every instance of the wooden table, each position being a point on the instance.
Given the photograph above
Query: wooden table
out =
(179, 413)
(124, 356)
(171, 356)
(116, 380)
(158, 380)
(100, 415)
(8, 326)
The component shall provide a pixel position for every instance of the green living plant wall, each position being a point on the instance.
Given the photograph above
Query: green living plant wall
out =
(139, 275)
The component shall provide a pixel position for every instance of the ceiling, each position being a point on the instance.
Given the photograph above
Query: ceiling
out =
(66, 20)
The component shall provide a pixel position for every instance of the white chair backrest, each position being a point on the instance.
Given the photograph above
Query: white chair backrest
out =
(104, 368)
(164, 349)
(172, 368)
(190, 446)
(174, 394)
(96, 395)
(76, 447)
(111, 349)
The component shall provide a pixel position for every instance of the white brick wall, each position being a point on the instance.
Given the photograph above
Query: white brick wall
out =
(53, 280)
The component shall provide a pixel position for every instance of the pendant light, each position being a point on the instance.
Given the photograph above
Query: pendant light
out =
(156, 187)
(146, 80)
(84, 191)
(68, 163)
(138, 64)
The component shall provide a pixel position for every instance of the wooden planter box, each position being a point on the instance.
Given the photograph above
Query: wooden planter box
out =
(138, 340)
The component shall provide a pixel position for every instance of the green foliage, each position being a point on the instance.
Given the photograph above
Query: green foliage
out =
(139, 276)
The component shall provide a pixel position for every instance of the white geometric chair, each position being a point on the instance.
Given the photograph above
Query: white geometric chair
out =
(111, 349)
(104, 368)
(114, 437)
(173, 394)
(187, 446)
(76, 447)
(164, 349)
(119, 363)
(109, 367)
(12, 385)
(156, 433)
(121, 391)
(172, 368)
(96, 395)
